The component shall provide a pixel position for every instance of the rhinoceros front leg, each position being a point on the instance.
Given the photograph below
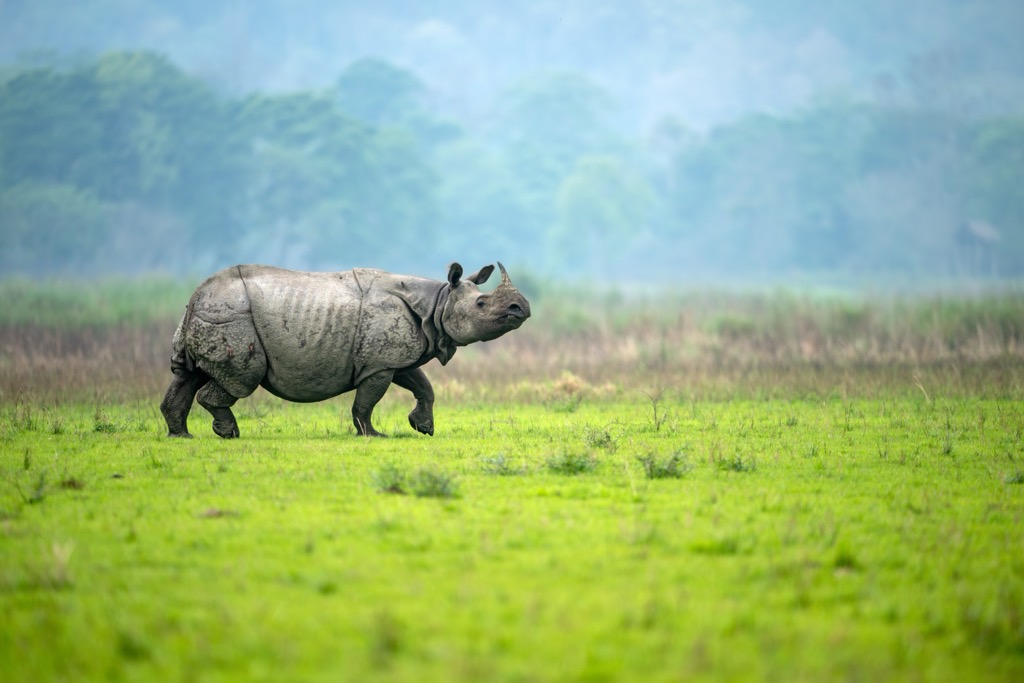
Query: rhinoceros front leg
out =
(368, 393)
(422, 416)
(218, 401)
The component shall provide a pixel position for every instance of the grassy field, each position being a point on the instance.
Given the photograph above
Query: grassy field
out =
(781, 540)
(707, 495)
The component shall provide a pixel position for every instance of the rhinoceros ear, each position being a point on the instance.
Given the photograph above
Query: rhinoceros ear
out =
(454, 274)
(480, 276)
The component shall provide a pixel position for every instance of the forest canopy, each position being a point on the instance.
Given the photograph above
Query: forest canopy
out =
(125, 161)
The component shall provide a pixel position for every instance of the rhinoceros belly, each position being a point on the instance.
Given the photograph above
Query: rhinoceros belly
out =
(323, 333)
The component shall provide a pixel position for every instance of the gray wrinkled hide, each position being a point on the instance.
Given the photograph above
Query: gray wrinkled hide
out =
(310, 336)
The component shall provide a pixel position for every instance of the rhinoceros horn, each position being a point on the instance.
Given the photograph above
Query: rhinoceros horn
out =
(505, 280)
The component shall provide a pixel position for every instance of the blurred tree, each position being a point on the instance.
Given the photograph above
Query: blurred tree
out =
(562, 115)
(166, 171)
(742, 198)
(327, 189)
(47, 130)
(168, 142)
(841, 185)
(50, 228)
(994, 185)
(603, 212)
(171, 173)
(825, 142)
(907, 199)
(546, 125)
(379, 93)
(126, 128)
(482, 211)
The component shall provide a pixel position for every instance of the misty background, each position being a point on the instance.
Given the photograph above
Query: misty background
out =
(636, 141)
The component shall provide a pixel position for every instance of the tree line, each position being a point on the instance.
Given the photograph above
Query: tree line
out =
(125, 163)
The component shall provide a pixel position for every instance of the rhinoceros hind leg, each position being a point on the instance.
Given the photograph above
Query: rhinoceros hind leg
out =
(422, 416)
(368, 393)
(215, 399)
(178, 400)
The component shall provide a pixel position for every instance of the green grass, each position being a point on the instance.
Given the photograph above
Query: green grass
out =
(68, 304)
(802, 540)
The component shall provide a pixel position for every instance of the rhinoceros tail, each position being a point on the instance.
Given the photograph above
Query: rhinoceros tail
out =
(182, 362)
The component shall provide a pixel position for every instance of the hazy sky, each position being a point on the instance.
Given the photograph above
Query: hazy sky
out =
(704, 61)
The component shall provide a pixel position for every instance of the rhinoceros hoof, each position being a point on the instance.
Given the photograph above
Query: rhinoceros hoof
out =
(179, 435)
(425, 427)
(227, 430)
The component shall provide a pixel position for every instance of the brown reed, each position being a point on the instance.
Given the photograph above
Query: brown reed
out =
(740, 348)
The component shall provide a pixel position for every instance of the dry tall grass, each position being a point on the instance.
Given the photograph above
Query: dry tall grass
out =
(704, 348)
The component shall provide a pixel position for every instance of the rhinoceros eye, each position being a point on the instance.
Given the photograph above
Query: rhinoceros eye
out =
(481, 302)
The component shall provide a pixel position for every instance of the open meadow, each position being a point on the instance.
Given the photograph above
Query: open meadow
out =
(725, 487)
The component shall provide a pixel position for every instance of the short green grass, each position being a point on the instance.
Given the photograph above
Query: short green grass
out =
(774, 540)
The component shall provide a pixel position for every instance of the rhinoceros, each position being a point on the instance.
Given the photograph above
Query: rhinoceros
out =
(311, 336)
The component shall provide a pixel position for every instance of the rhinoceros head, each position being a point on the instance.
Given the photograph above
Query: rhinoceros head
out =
(471, 315)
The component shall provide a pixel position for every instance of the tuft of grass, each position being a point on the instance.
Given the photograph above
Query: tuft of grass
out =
(132, 647)
(571, 463)
(387, 638)
(1015, 478)
(390, 479)
(598, 437)
(426, 482)
(994, 619)
(37, 494)
(72, 483)
(101, 422)
(726, 545)
(565, 404)
(429, 482)
(673, 466)
(56, 425)
(845, 559)
(655, 399)
(21, 417)
(501, 465)
(736, 463)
